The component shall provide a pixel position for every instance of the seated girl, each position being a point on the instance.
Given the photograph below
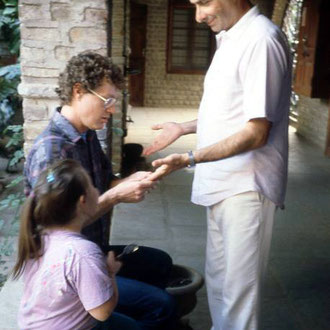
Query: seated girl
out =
(68, 282)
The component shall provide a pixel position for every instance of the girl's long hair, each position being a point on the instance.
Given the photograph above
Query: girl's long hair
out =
(53, 202)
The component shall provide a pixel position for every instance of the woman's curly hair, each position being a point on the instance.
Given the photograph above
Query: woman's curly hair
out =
(89, 69)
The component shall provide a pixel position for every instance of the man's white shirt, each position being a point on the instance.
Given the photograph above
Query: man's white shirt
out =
(249, 77)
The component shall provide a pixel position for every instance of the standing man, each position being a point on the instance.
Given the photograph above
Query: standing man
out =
(241, 156)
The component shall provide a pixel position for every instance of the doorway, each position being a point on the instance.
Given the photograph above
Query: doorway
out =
(138, 31)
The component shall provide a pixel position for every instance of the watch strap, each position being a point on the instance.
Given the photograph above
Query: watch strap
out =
(191, 159)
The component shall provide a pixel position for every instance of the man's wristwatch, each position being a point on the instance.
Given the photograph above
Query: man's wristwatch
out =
(191, 159)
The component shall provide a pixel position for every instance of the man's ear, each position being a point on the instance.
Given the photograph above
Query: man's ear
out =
(77, 91)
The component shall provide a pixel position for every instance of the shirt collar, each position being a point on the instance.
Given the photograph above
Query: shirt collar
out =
(66, 126)
(237, 29)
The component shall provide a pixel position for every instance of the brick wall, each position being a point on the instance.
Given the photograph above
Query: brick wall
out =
(279, 11)
(313, 120)
(163, 89)
(171, 90)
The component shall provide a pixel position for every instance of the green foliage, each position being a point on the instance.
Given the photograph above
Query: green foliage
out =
(15, 132)
(11, 73)
(10, 101)
(14, 146)
(9, 24)
(12, 201)
(15, 182)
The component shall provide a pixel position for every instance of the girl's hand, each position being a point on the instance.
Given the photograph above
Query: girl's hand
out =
(113, 265)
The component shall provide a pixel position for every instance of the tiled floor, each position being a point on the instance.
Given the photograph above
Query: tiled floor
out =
(297, 293)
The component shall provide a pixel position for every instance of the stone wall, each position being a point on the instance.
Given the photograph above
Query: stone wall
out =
(313, 120)
(51, 32)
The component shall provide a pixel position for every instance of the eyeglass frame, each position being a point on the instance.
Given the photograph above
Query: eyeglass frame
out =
(111, 100)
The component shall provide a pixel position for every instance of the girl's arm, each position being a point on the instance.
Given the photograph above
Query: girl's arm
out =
(102, 312)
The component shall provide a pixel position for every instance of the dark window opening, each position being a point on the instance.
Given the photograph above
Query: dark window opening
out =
(190, 45)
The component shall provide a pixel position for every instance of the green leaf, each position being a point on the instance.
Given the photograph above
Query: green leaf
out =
(14, 45)
(14, 141)
(11, 71)
(6, 111)
(5, 20)
(11, 2)
(14, 128)
(15, 182)
(8, 88)
(18, 156)
(10, 11)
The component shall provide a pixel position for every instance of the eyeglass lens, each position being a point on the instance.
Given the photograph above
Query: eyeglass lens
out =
(109, 102)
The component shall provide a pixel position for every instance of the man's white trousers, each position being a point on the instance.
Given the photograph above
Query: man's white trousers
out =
(238, 242)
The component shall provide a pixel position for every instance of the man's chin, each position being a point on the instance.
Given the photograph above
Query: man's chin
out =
(215, 29)
(99, 126)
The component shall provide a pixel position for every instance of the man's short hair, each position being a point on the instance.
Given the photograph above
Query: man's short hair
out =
(89, 69)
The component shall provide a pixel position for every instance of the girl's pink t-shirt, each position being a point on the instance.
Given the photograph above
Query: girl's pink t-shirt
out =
(68, 280)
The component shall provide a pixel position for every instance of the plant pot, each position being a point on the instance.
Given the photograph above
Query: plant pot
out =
(183, 285)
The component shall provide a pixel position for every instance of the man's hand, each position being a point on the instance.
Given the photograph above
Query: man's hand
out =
(168, 164)
(160, 172)
(131, 191)
(138, 176)
(170, 132)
